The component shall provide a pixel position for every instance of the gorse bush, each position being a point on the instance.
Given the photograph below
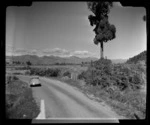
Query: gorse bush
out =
(103, 65)
(45, 72)
(10, 79)
(67, 73)
(105, 74)
(98, 73)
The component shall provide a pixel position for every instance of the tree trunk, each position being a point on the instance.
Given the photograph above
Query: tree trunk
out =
(101, 48)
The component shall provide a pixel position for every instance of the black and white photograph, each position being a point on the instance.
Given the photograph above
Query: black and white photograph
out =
(76, 61)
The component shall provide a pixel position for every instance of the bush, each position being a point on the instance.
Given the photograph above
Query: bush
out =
(45, 72)
(10, 79)
(103, 65)
(98, 73)
(82, 75)
(54, 72)
(15, 78)
(67, 73)
(27, 73)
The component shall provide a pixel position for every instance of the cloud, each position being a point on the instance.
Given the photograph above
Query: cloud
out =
(9, 50)
(56, 52)
(34, 52)
(83, 54)
(20, 51)
(65, 53)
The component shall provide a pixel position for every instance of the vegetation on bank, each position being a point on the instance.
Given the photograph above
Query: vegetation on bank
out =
(49, 72)
(20, 103)
(119, 85)
(137, 58)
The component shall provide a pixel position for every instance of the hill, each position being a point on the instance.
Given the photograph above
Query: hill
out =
(46, 60)
(138, 58)
(49, 59)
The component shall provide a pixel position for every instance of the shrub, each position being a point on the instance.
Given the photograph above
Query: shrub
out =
(103, 65)
(67, 73)
(22, 68)
(50, 72)
(27, 73)
(98, 73)
(82, 75)
(17, 73)
(54, 72)
(15, 78)
(136, 79)
(10, 79)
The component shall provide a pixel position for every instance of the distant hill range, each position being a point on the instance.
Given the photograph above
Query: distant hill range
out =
(47, 60)
(138, 58)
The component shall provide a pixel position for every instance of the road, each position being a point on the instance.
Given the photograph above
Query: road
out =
(64, 101)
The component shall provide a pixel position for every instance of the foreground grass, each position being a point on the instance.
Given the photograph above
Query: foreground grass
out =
(20, 103)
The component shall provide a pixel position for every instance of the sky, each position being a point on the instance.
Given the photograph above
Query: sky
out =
(63, 29)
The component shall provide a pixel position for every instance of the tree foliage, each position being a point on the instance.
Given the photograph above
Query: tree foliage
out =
(104, 31)
(28, 63)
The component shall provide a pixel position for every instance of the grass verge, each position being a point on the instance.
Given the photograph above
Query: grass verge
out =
(20, 103)
(131, 105)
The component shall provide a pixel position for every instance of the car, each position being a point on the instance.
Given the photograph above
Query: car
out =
(35, 81)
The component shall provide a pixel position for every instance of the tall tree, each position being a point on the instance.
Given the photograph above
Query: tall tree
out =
(28, 64)
(104, 31)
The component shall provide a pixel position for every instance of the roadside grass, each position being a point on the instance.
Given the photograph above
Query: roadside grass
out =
(20, 103)
(131, 105)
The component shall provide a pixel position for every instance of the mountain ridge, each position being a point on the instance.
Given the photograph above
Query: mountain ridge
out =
(138, 58)
(34, 59)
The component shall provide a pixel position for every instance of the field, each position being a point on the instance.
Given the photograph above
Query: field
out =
(70, 67)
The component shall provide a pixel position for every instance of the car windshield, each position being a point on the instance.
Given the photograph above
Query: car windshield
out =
(35, 80)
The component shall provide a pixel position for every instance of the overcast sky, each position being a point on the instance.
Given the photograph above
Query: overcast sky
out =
(62, 29)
